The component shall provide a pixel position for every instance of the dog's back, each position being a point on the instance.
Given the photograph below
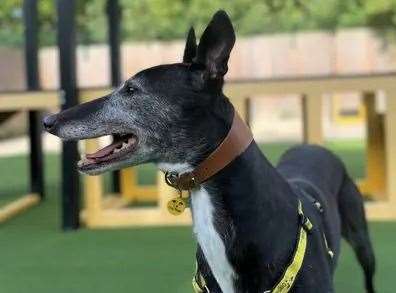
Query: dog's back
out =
(323, 176)
(316, 165)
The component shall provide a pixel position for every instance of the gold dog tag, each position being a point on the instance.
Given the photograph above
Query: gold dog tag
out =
(177, 205)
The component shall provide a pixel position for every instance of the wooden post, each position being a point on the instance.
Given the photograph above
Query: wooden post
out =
(92, 189)
(375, 182)
(18, 206)
(242, 106)
(132, 191)
(128, 184)
(390, 130)
(312, 118)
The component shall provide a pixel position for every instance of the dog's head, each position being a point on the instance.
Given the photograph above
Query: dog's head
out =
(165, 114)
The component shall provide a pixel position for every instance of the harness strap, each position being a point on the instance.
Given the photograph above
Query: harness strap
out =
(317, 204)
(290, 275)
(198, 282)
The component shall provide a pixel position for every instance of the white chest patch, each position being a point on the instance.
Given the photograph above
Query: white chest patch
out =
(210, 241)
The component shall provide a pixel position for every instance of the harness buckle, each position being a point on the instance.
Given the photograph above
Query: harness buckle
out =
(306, 223)
(304, 220)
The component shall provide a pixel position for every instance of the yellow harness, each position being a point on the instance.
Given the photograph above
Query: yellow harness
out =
(289, 276)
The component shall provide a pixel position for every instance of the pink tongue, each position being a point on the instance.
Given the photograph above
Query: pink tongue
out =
(105, 151)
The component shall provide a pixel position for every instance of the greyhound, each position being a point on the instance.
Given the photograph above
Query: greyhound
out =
(244, 217)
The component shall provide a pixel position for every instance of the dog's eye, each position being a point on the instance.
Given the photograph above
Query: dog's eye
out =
(130, 89)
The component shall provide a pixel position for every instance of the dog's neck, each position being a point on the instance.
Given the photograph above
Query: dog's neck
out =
(250, 181)
(252, 205)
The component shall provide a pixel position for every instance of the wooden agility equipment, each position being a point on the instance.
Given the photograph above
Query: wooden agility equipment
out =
(33, 100)
(375, 181)
(340, 119)
(380, 181)
(25, 101)
(98, 214)
(134, 192)
(18, 206)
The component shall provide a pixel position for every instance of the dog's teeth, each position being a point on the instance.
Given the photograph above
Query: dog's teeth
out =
(116, 150)
(84, 161)
(124, 145)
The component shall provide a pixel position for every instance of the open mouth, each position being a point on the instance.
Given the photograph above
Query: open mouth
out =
(115, 152)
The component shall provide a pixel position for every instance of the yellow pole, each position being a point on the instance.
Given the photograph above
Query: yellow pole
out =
(128, 184)
(375, 182)
(390, 130)
(93, 190)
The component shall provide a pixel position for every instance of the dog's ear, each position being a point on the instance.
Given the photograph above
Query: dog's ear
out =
(215, 45)
(190, 51)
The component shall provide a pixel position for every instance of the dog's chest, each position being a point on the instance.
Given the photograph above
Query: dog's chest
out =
(210, 241)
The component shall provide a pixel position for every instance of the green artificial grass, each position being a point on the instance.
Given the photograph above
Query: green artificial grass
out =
(36, 256)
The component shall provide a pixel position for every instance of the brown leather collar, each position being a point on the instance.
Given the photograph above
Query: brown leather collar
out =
(235, 143)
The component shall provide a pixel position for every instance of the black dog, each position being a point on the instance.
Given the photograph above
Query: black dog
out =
(245, 217)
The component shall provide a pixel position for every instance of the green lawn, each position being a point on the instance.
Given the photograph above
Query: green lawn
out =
(35, 256)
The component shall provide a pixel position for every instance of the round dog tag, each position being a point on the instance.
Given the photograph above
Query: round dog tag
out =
(176, 206)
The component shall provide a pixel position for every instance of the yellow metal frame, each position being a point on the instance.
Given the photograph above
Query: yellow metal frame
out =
(23, 101)
(381, 146)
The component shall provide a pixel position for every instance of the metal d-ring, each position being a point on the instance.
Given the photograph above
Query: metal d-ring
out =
(171, 178)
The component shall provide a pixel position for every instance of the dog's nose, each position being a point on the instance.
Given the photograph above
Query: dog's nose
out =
(49, 122)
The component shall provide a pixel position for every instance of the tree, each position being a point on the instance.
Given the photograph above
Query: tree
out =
(90, 20)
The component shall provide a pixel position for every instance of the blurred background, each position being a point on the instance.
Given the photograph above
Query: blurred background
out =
(324, 41)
